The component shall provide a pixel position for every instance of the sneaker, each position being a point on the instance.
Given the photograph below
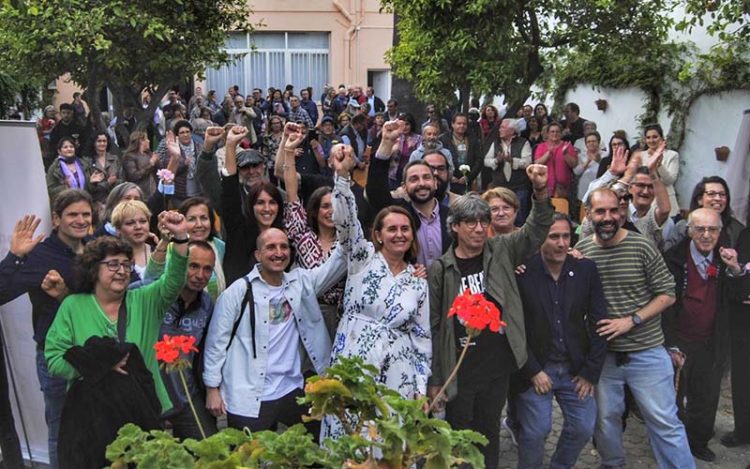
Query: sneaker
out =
(511, 431)
(731, 440)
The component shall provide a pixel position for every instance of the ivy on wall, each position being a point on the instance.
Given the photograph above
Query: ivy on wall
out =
(673, 76)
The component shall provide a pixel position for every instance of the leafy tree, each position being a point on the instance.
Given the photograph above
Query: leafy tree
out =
(506, 46)
(126, 45)
(729, 19)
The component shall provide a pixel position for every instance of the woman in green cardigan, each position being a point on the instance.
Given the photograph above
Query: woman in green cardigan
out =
(106, 265)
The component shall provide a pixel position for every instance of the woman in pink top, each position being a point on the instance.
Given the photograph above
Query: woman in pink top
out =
(560, 157)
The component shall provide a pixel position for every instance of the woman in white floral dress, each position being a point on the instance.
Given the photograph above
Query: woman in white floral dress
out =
(386, 318)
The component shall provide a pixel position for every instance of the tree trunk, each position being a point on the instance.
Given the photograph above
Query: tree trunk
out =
(402, 90)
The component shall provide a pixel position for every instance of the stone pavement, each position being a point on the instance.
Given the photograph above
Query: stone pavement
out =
(637, 446)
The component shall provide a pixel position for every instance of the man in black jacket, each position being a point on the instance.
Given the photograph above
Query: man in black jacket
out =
(465, 150)
(562, 302)
(420, 185)
(697, 323)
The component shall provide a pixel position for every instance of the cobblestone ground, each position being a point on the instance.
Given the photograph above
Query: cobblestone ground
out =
(637, 446)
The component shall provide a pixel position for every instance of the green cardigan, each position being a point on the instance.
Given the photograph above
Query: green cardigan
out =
(501, 255)
(81, 317)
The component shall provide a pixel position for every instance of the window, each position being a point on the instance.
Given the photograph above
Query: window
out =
(279, 58)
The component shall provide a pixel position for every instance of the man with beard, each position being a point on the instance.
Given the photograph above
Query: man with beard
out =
(431, 141)
(420, 184)
(638, 288)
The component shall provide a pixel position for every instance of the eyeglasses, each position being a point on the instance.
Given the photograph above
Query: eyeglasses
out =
(712, 194)
(641, 186)
(114, 266)
(712, 230)
(438, 169)
(471, 224)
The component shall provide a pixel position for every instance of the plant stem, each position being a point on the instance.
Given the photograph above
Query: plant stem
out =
(453, 373)
(190, 401)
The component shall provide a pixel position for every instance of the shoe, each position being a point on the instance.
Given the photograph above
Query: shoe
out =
(504, 424)
(730, 440)
(703, 453)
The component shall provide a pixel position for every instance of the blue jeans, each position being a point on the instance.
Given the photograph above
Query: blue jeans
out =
(535, 417)
(54, 390)
(650, 376)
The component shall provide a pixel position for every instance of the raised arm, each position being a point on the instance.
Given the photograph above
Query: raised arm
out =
(349, 234)
(206, 171)
(378, 192)
(661, 196)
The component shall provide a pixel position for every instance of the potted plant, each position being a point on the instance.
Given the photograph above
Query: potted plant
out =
(601, 104)
(722, 153)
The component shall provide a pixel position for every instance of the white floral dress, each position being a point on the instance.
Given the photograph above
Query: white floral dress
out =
(386, 317)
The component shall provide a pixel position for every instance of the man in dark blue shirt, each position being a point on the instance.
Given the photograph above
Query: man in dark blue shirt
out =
(190, 316)
(562, 302)
(26, 268)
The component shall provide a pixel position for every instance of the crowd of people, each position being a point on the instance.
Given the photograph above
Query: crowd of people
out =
(282, 233)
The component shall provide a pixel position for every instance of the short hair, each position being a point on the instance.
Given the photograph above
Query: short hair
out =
(599, 190)
(554, 124)
(412, 164)
(195, 202)
(595, 134)
(432, 124)
(655, 127)
(559, 216)
(573, 107)
(181, 124)
(393, 101)
(87, 264)
(196, 243)
(690, 217)
(359, 119)
(502, 193)
(377, 225)
(116, 195)
(128, 208)
(69, 197)
(513, 123)
(63, 140)
(457, 115)
(66, 107)
(468, 207)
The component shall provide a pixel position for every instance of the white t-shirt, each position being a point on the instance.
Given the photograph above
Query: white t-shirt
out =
(284, 371)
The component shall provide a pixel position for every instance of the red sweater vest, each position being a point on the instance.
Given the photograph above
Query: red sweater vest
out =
(696, 320)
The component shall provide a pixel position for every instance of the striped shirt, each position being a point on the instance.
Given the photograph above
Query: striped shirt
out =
(633, 273)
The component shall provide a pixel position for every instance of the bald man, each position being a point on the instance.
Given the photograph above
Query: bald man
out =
(260, 327)
(697, 324)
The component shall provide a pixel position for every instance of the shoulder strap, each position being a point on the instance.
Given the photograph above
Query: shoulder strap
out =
(122, 320)
(247, 299)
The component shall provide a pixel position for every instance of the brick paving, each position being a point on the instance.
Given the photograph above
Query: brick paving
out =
(637, 446)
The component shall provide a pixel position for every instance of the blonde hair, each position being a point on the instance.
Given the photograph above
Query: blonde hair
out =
(502, 193)
(128, 208)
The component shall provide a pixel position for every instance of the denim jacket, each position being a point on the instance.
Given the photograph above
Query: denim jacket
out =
(238, 374)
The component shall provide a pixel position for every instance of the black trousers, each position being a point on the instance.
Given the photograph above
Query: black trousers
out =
(739, 322)
(184, 424)
(479, 408)
(700, 385)
(9, 443)
(283, 410)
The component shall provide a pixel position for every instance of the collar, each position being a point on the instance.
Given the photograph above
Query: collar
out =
(565, 270)
(698, 257)
(435, 211)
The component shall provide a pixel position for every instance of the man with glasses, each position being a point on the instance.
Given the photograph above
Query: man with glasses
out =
(298, 114)
(697, 323)
(650, 207)
(476, 399)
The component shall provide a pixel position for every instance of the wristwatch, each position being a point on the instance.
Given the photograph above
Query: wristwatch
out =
(186, 239)
(637, 320)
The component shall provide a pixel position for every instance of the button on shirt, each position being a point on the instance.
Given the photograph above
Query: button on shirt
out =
(701, 262)
(430, 237)
(556, 291)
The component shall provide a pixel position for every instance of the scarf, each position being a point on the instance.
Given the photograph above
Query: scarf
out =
(77, 180)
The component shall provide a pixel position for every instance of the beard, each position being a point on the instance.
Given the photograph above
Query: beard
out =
(602, 229)
(420, 200)
(442, 189)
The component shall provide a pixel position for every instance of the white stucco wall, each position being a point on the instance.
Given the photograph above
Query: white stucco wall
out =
(714, 121)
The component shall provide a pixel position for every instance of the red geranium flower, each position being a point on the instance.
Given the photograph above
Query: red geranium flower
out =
(168, 349)
(712, 271)
(476, 313)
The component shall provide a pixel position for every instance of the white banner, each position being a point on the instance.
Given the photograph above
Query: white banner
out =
(738, 170)
(23, 191)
